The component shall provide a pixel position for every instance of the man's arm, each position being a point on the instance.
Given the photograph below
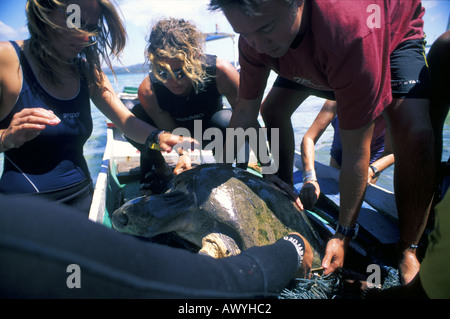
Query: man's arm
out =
(245, 116)
(352, 186)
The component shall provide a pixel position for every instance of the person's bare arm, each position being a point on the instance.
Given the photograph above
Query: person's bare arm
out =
(28, 123)
(110, 105)
(386, 159)
(352, 186)
(244, 116)
(227, 79)
(311, 190)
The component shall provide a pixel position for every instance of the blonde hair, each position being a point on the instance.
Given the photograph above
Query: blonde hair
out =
(109, 40)
(177, 39)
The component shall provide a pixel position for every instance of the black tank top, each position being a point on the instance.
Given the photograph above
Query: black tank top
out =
(54, 159)
(196, 106)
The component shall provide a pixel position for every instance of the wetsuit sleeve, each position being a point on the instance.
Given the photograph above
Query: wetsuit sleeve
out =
(47, 249)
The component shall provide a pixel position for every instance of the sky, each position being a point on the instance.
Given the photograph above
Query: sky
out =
(140, 15)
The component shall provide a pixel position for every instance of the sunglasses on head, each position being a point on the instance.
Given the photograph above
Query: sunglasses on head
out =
(166, 75)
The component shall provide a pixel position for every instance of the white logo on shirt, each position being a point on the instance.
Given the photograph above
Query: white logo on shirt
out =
(71, 116)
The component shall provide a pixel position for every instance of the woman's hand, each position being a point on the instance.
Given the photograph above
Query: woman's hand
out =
(184, 163)
(168, 140)
(27, 125)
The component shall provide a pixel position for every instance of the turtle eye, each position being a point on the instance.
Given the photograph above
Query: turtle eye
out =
(123, 219)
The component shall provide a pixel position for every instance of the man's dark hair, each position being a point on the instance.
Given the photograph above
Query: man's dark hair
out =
(248, 7)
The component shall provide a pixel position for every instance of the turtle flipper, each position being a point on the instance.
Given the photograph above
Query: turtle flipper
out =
(218, 245)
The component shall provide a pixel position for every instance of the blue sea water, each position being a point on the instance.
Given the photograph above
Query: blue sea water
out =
(301, 121)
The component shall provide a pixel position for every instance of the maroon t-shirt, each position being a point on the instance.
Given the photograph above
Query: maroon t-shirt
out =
(345, 49)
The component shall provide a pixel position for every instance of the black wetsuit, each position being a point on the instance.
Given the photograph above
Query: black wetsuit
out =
(199, 105)
(39, 240)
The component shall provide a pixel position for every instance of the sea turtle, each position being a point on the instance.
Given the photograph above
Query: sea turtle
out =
(219, 208)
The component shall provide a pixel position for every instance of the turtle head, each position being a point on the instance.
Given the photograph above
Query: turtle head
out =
(134, 217)
(148, 216)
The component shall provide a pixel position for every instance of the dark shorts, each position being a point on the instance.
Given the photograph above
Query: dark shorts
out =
(409, 74)
(376, 146)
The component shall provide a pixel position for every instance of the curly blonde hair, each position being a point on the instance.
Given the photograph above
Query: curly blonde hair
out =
(107, 42)
(177, 39)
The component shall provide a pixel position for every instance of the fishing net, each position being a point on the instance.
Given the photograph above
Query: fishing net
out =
(333, 286)
(318, 287)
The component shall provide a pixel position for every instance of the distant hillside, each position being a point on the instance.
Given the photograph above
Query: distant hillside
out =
(136, 68)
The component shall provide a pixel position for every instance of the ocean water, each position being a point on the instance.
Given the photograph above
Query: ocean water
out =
(301, 121)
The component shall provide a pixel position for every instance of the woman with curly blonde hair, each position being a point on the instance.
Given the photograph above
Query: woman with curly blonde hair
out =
(184, 85)
(180, 40)
(46, 83)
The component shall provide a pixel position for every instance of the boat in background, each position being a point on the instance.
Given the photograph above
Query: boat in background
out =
(212, 36)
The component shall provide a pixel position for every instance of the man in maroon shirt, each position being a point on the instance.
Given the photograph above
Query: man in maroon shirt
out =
(369, 53)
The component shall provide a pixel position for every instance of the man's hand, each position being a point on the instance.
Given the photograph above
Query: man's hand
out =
(334, 254)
